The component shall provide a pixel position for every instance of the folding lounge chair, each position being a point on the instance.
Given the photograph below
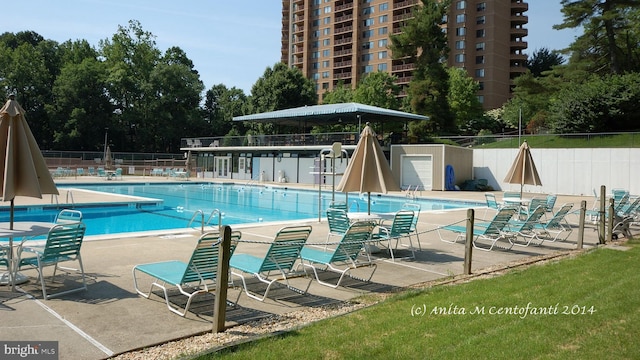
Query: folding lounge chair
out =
(492, 203)
(624, 218)
(66, 216)
(62, 245)
(345, 254)
(280, 258)
(555, 226)
(551, 202)
(399, 228)
(489, 231)
(414, 224)
(338, 222)
(198, 275)
(524, 229)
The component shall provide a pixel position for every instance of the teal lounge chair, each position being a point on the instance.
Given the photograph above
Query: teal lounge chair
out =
(483, 231)
(198, 276)
(524, 229)
(280, 258)
(345, 254)
(556, 226)
(62, 245)
(338, 222)
(66, 216)
(399, 228)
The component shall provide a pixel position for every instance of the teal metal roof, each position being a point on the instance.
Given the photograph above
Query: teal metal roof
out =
(332, 113)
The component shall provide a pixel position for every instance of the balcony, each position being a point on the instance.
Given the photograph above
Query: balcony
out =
(519, 32)
(405, 4)
(344, 29)
(519, 5)
(518, 45)
(345, 75)
(519, 19)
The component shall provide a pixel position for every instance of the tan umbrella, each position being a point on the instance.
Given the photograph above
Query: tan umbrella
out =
(368, 170)
(523, 170)
(187, 163)
(22, 167)
(108, 160)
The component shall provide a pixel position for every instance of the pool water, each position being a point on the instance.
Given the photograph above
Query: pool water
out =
(237, 204)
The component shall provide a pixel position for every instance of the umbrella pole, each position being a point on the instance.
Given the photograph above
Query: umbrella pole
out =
(369, 203)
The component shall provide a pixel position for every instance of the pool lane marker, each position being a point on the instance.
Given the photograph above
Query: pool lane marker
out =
(93, 341)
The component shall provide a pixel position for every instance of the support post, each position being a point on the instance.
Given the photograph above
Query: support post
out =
(612, 215)
(583, 211)
(222, 281)
(601, 213)
(468, 244)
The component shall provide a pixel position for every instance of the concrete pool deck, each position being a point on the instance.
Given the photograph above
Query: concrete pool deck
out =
(110, 318)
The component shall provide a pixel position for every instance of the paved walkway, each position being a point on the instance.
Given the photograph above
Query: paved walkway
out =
(111, 318)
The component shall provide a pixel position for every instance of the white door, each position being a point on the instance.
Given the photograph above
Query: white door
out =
(222, 167)
(417, 170)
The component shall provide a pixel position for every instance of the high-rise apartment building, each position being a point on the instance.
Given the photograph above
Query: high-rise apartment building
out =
(340, 41)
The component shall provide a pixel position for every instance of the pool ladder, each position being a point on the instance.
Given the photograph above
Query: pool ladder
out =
(202, 222)
(54, 197)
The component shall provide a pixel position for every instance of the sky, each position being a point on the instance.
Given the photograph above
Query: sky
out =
(230, 42)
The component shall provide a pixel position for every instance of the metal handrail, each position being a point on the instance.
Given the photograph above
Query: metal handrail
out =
(219, 217)
(201, 220)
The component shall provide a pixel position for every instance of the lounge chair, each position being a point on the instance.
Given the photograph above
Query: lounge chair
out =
(62, 245)
(524, 229)
(399, 228)
(118, 174)
(345, 254)
(280, 258)
(483, 231)
(414, 224)
(196, 277)
(551, 202)
(338, 222)
(556, 225)
(624, 218)
(492, 203)
(534, 203)
(66, 216)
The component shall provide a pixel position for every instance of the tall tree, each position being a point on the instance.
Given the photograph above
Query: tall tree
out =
(424, 43)
(543, 60)
(279, 88)
(463, 99)
(221, 104)
(609, 40)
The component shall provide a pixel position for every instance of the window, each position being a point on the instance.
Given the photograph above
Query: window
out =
(481, 85)
(480, 59)
(367, 10)
(382, 43)
(326, 64)
(316, 33)
(367, 69)
(382, 67)
(459, 58)
(327, 9)
(367, 34)
(460, 18)
(480, 46)
(315, 44)
(382, 30)
(460, 5)
(326, 53)
(325, 86)
(481, 6)
(315, 23)
(326, 31)
(366, 57)
(327, 20)
(368, 22)
(316, 76)
(383, 6)
(315, 54)
(480, 20)
(326, 42)
(382, 55)
(383, 19)
(479, 73)
(367, 45)
(314, 66)
(316, 12)
(480, 33)
(459, 44)
(461, 31)
(481, 99)
(325, 74)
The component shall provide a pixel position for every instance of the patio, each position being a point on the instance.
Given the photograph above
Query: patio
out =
(110, 318)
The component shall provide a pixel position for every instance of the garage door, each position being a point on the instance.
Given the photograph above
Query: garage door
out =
(417, 170)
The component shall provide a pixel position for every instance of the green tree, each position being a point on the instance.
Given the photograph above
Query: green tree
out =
(221, 104)
(543, 60)
(280, 88)
(608, 103)
(340, 94)
(423, 42)
(609, 42)
(463, 100)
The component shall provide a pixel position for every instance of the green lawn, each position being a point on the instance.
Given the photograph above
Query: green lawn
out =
(630, 140)
(586, 307)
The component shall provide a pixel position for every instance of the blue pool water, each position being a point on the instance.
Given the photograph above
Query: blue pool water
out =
(178, 202)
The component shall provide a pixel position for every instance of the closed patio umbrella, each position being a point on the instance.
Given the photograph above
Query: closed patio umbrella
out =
(108, 159)
(23, 170)
(368, 170)
(523, 170)
(187, 164)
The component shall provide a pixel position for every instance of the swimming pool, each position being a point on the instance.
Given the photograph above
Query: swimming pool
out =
(174, 205)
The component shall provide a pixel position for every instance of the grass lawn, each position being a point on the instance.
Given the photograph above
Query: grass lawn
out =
(585, 307)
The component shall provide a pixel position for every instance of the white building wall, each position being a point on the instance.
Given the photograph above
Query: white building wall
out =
(565, 171)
